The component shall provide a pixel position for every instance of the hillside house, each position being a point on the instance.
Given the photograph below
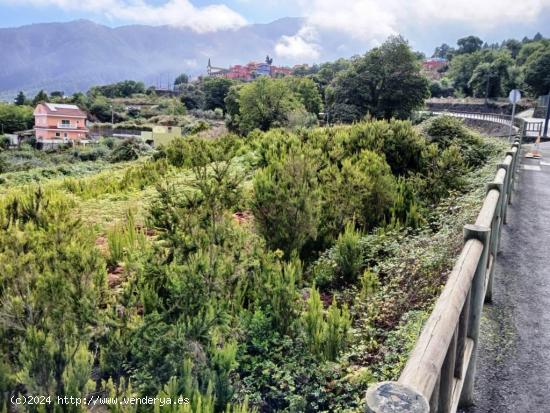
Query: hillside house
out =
(434, 63)
(248, 72)
(432, 67)
(57, 123)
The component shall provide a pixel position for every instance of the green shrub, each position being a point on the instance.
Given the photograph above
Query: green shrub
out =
(282, 287)
(327, 335)
(286, 202)
(92, 154)
(369, 284)
(348, 254)
(407, 209)
(445, 172)
(448, 130)
(4, 142)
(125, 238)
(362, 190)
(128, 150)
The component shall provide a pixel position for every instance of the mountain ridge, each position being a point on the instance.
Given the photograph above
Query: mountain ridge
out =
(72, 56)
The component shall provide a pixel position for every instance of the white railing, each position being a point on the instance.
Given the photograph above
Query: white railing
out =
(67, 126)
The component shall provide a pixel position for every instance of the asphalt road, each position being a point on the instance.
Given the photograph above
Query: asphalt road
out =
(514, 353)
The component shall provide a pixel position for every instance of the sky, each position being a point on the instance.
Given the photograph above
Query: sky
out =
(425, 23)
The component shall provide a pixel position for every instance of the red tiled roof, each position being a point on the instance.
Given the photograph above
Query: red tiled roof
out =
(56, 109)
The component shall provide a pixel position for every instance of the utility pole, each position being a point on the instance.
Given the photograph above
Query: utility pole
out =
(547, 118)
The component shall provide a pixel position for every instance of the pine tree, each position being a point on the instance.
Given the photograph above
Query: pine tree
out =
(314, 323)
(282, 292)
(369, 284)
(21, 99)
(336, 331)
(40, 98)
(348, 254)
(327, 335)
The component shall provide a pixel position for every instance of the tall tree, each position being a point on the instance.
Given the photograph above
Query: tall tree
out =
(444, 51)
(490, 76)
(531, 48)
(15, 118)
(513, 45)
(40, 97)
(386, 82)
(265, 103)
(469, 44)
(192, 95)
(307, 91)
(181, 79)
(537, 73)
(215, 92)
(21, 99)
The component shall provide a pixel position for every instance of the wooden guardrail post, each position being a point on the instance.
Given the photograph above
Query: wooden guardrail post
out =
(510, 174)
(476, 305)
(393, 397)
(496, 227)
(514, 152)
(504, 192)
(517, 160)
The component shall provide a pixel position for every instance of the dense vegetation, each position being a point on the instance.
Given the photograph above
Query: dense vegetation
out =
(474, 69)
(279, 267)
(482, 70)
(386, 82)
(26, 165)
(283, 271)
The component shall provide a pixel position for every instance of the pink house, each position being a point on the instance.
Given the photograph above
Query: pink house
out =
(56, 122)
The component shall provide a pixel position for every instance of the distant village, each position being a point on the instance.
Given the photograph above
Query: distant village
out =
(432, 67)
(250, 71)
(57, 124)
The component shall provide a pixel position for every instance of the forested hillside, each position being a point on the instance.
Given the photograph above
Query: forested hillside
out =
(491, 70)
(278, 271)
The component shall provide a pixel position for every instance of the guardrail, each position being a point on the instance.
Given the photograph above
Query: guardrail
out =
(523, 126)
(533, 126)
(489, 117)
(439, 374)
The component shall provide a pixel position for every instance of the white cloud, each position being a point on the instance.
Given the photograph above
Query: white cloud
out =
(295, 47)
(181, 13)
(303, 45)
(363, 19)
(480, 13)
(370, 22)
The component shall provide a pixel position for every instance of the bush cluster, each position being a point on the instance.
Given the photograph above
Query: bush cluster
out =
(259, 259)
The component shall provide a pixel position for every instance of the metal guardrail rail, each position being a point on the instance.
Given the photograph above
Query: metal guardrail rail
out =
(522, 125)
(439, 374)
(490, 117)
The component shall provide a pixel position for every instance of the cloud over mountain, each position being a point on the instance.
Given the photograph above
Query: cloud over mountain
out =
(372, 21)
(179, 13)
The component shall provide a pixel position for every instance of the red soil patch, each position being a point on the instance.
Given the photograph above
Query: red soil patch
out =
(115, 276)
(243, 217)
(102, 245)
